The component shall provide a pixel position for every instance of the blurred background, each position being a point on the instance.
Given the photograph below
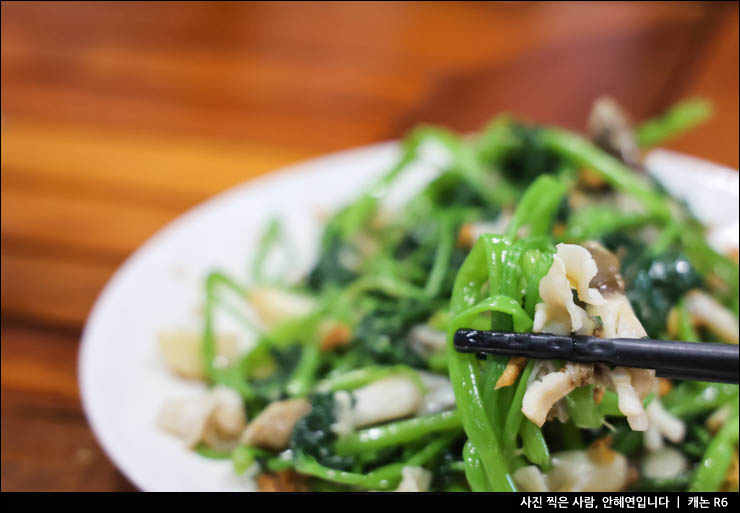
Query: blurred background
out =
(118, 117)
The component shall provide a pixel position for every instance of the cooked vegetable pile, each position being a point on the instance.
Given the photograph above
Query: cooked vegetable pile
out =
(353, 383)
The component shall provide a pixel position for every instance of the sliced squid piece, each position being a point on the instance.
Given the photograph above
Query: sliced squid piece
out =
(274, 306)
(344, 419)
(414, 479)
(183, 352)
(617, 317)
(629, 402)
(439, 395)
(643, 381)
(652, 439)
(662, 424)
(580, 269)
(273, 427)
(216, 418)
(425, 340)
(706, 311)
(542, 395)
(574, 267)
(666, 463)
(576, 471)
(531, 479)
(511, 372)
(389, 398)
(558, 313)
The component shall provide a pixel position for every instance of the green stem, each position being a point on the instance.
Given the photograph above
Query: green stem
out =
(397, 433)
(534, 445)
(583, 153)
(678, 119)
(514, 418)
(474, 471)
(710, 473)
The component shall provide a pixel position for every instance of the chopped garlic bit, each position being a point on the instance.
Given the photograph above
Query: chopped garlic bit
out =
(600, 451)
(283, 481)
(216, 418)
(333, 334)
(717, 419)
(470, 232)
(511, 372)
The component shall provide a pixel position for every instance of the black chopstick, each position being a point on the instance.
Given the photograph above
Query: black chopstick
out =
(675, 360)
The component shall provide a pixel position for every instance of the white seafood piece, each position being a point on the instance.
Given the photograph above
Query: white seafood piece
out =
(576, 471)
(216, 418)
(580, 268)
(712, 314)
(439, 395)
(425, 340)
(389, 398)
(542, 395)
(344, 419)
(531, 479)
(652, 439)
(414, 479)
(629, 402)
(575, 267)
(618, 318)
(273, 427)
(643, 381)
(183, 352)
(662, 424)
(274, 306)
(558, 313)
(666, 463)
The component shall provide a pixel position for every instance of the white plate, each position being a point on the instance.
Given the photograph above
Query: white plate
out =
(122, 379)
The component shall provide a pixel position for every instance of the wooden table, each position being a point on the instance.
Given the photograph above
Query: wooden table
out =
(117, 118)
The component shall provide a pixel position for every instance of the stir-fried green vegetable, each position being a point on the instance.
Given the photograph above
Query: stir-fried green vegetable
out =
(433, 266)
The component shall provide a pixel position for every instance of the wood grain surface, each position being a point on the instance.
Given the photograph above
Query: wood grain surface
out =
(118, 117)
